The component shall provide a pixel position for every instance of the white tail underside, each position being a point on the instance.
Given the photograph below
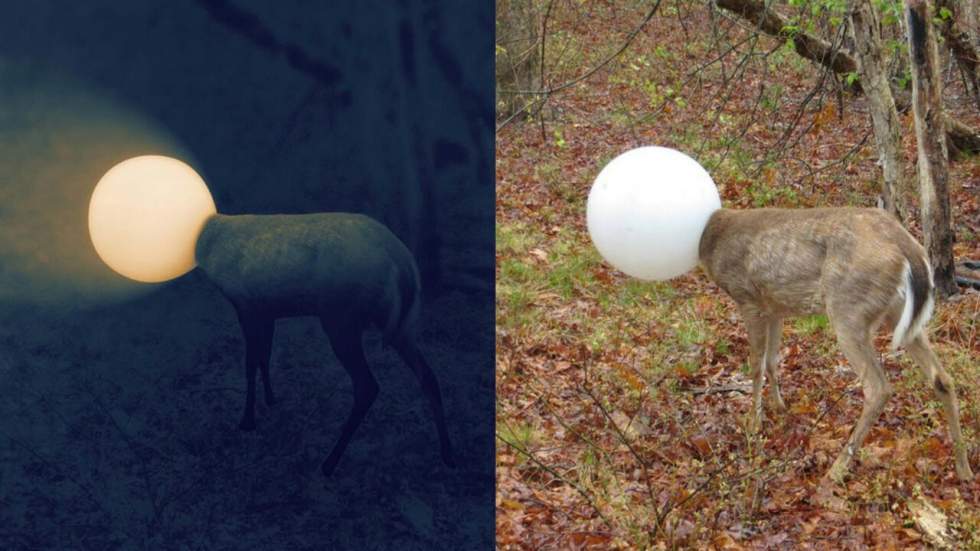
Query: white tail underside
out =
(907, 328)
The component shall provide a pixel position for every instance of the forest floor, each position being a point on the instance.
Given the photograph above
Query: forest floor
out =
(621, 404)
(119, 430)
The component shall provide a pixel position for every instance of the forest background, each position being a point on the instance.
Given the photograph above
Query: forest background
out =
(621, 404)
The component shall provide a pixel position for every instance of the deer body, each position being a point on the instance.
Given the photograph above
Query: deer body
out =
(860, 267)
(346, 269)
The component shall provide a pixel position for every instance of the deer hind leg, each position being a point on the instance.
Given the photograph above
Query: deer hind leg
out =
(258, 332)
(349, 350)
(411, 355)
(265, 357)
(774, 335)
(757, 326)
(854, 338)
(942, 385)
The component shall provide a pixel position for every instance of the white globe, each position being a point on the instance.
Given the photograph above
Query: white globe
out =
(145, 216)
(647, 209)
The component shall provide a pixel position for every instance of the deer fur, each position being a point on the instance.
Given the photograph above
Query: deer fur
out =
(861, 268)
(346, 269)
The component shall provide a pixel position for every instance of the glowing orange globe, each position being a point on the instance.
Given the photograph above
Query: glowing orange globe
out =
(145, 216)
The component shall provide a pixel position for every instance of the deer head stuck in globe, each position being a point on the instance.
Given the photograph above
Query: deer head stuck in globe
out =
(655, 214)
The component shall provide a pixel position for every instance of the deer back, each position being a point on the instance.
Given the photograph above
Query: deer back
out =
(338, 264)
(795, 261)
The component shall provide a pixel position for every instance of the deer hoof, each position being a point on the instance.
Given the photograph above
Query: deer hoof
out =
(964, 473)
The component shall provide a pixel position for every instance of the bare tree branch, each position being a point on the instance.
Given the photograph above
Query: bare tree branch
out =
(808, 46)
(553, 472)
(838, 59)
(961, 137)
(546, 93)
(249, 26)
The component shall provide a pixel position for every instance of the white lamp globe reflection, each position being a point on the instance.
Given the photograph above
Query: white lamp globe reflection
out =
(145, 216)
(647, 210)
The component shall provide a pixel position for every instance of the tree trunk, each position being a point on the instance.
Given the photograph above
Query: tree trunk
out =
(819, 50)
(971, 20)
(518, 55)
(955, 31)
(961, 138)
(930, 131)
(866, 34)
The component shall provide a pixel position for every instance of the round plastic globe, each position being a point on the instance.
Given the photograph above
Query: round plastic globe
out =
(647, 209)
(145, 216)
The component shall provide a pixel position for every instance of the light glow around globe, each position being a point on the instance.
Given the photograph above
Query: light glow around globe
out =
(647, 209)
(145, 216)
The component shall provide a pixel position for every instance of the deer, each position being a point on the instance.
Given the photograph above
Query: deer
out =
(862, 269)
(348, 270)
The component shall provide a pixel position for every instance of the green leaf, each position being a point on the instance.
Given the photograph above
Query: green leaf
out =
(559, 138)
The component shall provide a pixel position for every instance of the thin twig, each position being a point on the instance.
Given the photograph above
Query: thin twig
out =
(547, 93)
(544, 41)
(530, 456)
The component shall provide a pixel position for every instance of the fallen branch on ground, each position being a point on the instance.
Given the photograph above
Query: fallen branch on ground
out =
(744, 389)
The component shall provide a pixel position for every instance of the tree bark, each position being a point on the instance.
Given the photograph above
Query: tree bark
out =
(960, 137)
(518, 56)
(930, 128)
(956, 32)
(865, 32)
(971, 20)
(842, 61)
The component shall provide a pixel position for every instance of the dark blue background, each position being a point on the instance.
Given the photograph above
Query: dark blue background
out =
(118, 410)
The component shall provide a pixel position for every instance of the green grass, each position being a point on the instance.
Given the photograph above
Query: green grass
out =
(810, 325)
(691, 332)
(521, 435)
(516, 271)
(518, 301)
(562, 268)
(723, 347)
(636, 293)
(514, 238)
(570, 266)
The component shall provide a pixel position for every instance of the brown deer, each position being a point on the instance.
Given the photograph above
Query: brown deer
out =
(861, 268)
(346, 269)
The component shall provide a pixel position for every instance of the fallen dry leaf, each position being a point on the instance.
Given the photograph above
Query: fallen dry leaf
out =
(931, 522)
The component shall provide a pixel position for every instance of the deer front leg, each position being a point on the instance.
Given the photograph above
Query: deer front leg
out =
(258, 345)
(774, 335)
(248, 416)
(855, 341)
(942, 384)
(756, 324)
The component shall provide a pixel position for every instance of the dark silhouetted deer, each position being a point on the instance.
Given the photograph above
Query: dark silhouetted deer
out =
(857, 265)
(346, 269)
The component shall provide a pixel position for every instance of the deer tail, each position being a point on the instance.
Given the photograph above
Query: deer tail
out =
(916, 288)
(401, 323)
